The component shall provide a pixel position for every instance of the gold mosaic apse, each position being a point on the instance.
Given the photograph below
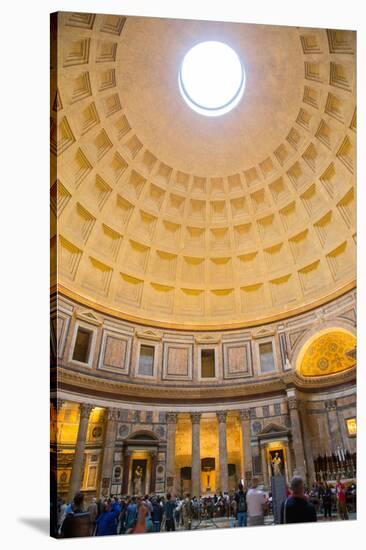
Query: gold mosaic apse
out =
(327, 354)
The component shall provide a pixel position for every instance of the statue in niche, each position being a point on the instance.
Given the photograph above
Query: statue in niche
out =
(276, 464)
(137, 481)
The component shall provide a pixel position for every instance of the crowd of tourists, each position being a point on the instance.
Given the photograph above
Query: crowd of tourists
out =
(153, 513)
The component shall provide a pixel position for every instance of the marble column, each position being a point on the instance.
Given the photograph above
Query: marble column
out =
(297, 440)
(126, 471)
(264, 466)
(78, 462)
(289, 468)
(247, 468)
(334, 432)
(154, 457)
(196, 454)
(108, 450)
(310, 469)
(171, 481)
(223, 469)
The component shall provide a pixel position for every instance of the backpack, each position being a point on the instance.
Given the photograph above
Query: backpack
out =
(242, 502)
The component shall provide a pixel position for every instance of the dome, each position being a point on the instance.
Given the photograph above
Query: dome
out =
(170, 218)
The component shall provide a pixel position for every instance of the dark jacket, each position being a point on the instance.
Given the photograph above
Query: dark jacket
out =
(241, 501)
(107, 521)
(297, 510)
(157, 512)
(169, 507)
(76, 524)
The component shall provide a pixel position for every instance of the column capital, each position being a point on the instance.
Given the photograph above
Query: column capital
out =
(153, 454)
(292, 403)
(244, 414)
(221, 416)
(171, 418)
(112, 413)
(195, 417)
(331, 404)
(127, 453)
(85, 410)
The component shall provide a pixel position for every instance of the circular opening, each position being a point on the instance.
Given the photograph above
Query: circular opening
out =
(212, 78)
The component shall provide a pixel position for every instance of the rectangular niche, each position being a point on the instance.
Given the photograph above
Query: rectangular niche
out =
(81, 349)
(237, 360)
(207, 363)
(146, 360)
(82, 345)
(177, 361)
(115, 352)
(266, 357)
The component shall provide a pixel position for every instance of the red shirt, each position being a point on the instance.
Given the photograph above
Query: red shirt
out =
(341, 495)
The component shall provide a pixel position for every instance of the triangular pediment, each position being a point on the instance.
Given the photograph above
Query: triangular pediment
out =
(89, 317)
(272, 429)
(263, 333)
(148, 334)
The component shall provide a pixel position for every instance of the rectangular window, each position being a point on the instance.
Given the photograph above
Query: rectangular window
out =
(146, 360)
(266, 357)
(207, 363)
(82, 345)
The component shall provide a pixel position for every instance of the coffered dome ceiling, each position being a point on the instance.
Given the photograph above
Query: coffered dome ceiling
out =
(178, 219)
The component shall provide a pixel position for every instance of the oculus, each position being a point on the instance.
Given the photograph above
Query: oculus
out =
(212, 78)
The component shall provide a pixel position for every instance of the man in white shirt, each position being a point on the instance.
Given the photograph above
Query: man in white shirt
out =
(257, 504)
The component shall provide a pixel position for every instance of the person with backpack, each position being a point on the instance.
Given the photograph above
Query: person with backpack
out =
(169, 508)
(187, 512)
(131, 514)
(156, 514)
(77, 521)
(241, 506)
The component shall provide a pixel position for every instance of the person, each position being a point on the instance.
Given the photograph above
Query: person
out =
(326, 496)
(131, 514)
(233, 512)
(341, 499)
(256, 504)
(106, 522)
(187, 512)
(297, 508)
(140, 525)
(169, 507)
(156, 514)
(241, 506)
(77, 521)
(93, 511)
